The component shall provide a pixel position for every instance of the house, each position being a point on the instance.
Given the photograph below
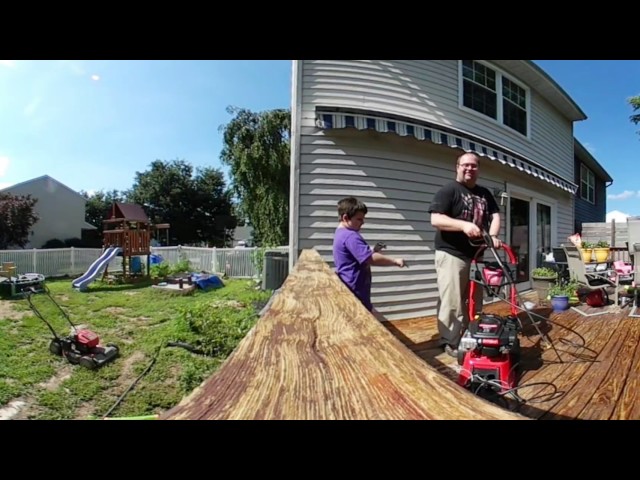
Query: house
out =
(389, 132)
(243, 236)
(592, 180)
(61, 210)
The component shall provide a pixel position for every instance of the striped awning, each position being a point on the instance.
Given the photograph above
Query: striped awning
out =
(330, 120)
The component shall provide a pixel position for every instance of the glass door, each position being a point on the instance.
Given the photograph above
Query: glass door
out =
(519, 232)
(531, 231)
(543, 233)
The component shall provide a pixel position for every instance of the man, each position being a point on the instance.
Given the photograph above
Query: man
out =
(352, 255)
(460, 211)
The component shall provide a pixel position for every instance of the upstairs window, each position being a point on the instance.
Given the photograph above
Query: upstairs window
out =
(494, 94)
(587, 184)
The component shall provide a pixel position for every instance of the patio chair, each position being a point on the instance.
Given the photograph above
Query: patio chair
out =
(596, 280)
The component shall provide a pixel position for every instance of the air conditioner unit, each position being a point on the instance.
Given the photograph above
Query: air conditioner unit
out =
(276, 269)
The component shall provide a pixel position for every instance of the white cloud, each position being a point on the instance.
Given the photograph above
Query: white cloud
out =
(624, 195)
(4, 165)
(4, 185)
(590, 148)
(95, 78)
(7, 63)
(616, 216)
(91, 193)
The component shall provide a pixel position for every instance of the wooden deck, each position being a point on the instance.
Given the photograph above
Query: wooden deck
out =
(595, 376)
(318, 354)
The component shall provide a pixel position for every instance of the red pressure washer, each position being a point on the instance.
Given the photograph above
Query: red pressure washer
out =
(489, 349)
(82, 346)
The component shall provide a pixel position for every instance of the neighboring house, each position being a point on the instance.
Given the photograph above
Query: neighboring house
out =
(592, 181)
(61, 211)
(389, 132)
(243, 236)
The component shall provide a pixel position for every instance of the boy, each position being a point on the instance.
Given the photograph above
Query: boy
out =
(352, 255)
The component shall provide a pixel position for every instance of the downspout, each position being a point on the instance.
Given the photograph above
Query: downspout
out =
(294, 176)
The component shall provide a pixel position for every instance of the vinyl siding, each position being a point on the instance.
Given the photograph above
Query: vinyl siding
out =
(585, 210)
(427, 90)
(397, 176)
(61, 212)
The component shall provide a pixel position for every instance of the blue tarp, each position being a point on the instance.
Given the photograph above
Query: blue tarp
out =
(155, 259)
(206, 281)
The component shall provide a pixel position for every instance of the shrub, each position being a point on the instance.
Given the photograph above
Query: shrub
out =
(53, 243)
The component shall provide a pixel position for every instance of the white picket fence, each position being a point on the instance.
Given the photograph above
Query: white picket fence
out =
(55, 262)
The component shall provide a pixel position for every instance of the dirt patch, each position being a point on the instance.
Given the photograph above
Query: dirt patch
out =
(61, 375)
(131, 293)
(8, 311)
(85, 411)
(227, 303)
(30, 410)
(116, 310)
(12, 409)
(64, 298)
(127, 376)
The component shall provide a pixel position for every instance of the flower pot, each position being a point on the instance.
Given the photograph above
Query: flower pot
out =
(601, 254)
(587, 253)
(541, 286)
(560, 303)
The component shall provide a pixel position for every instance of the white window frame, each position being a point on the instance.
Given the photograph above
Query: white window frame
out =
(584, 192)
(499, 98)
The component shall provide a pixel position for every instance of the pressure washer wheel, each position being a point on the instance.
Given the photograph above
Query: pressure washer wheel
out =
(461, 354)
(55, 347)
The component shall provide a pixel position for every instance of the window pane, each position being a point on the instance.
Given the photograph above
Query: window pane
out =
(514, 106)
(480, 99)
(514, 117)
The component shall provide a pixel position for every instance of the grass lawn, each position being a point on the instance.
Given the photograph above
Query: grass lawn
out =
(137, 318)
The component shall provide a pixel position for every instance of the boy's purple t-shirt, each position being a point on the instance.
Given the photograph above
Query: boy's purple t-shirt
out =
(351, 255)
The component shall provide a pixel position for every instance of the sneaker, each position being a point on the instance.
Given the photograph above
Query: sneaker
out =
(449, 350)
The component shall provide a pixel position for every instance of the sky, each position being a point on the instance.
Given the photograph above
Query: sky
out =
(93, 124)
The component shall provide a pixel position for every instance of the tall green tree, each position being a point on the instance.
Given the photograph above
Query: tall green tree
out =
(17, 217)
(98, 206)
(635, 104)
(195, 202)
(256, 147)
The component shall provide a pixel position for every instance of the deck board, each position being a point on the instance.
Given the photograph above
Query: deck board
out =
(597, 381)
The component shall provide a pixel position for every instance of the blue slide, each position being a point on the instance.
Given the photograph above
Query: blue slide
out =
(95, 268)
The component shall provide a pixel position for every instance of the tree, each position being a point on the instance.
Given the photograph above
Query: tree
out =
(198, 207)
(256, 148)
(17, 216)
(98, 206)
(635, 103)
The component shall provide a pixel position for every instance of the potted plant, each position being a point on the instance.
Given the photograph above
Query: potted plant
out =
(562, 295)
(601, 251)
(587, 251)
(542, 279)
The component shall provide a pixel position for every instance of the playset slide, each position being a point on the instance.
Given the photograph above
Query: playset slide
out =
(95, 268)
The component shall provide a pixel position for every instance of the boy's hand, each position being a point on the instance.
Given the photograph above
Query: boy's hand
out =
(401, 263)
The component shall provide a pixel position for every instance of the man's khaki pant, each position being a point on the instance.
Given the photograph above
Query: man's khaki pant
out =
(453, 288)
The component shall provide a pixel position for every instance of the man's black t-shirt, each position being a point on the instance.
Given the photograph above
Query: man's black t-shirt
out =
(457, 201)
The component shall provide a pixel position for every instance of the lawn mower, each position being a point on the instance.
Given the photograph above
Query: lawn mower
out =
(489, 350)
(82, 347)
